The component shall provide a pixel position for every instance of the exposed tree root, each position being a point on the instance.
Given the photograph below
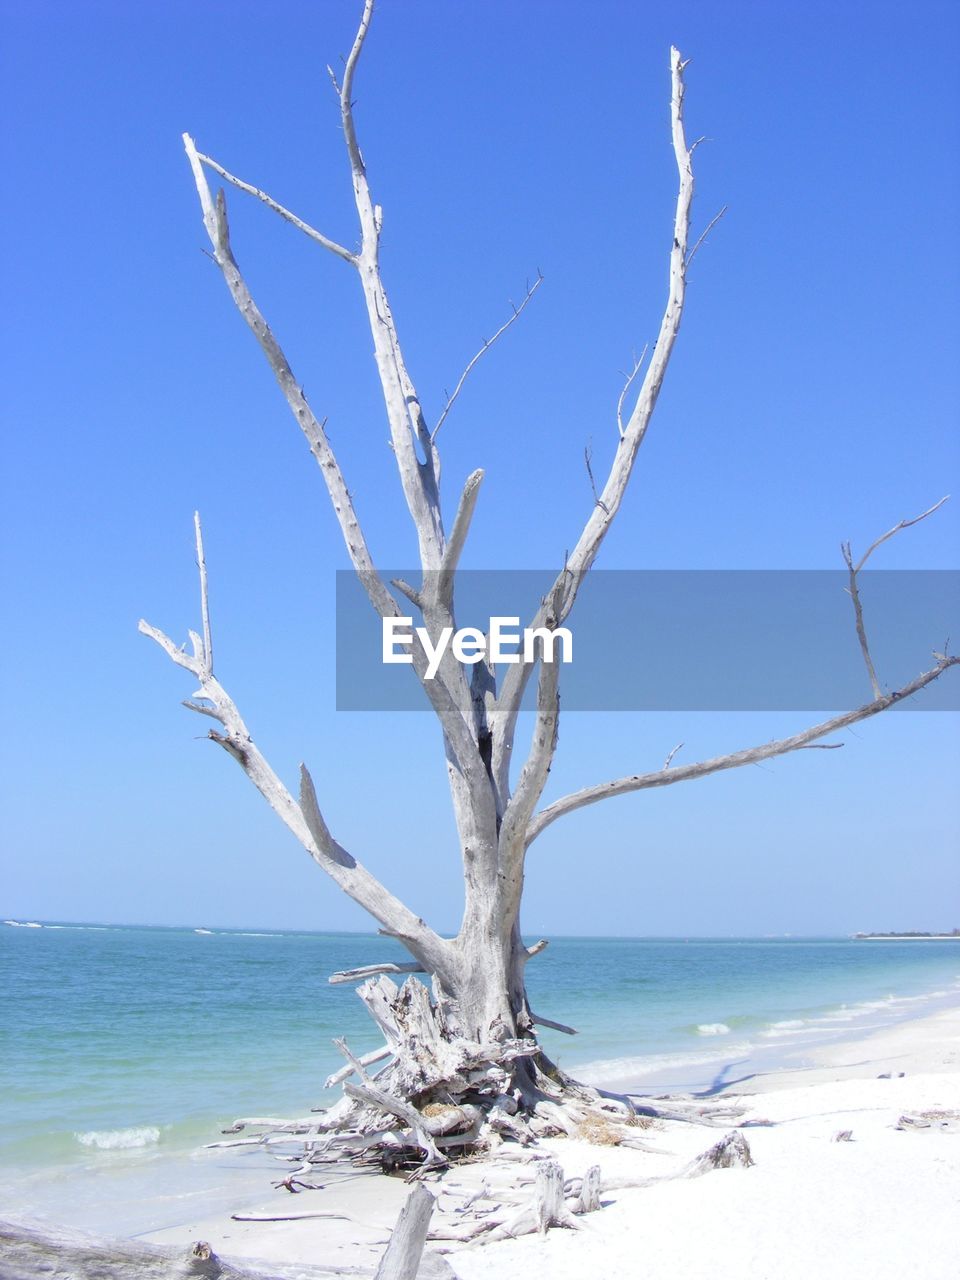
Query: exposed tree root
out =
(443, 1098)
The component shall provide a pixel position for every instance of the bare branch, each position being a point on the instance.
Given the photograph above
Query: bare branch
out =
(316, 823)
(450, 710)
(204, 597)
(669, 760)
(562, 1027)
(853, 590)
(215, 221)
(419, 478)
(305, 820)
(605, 510)
(368, 1060)
(904, 524)
(703, 234)
(371, 970)
(356, 1064)
(200, 708)
(626, 387)
(488, 343)
(405, 589)
(533, 775)
(346, 89)
(292, 218)
(587, 454)
(179, 656)
(751, 755)
(461, 523)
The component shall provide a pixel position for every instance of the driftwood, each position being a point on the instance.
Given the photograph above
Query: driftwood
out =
(939, 1120)
(549, 1205)
(589, 1199)
(718, 1116)
(730, 1152)
(402, 1258)
(559, 1202)
(26, 1253)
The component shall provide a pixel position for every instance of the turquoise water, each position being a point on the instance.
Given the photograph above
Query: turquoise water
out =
(124, 1045)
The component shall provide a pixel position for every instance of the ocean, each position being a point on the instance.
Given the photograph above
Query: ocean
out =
(126, 1049)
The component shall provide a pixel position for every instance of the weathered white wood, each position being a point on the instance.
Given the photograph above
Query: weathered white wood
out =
(403, 1111)
(732, 1151)
(854, 587)
(736, 759)
(399, 395)
(539, 1020)
(295, 1215)
(579, 560)
(549, 1205)
(589, 1197)
(270, 1122)
(402, 1258)
(368, 1060)
(458, 534)
(287, 216)
(562, 1119)
(27, 1253)
(371, 971)
(712, 1115)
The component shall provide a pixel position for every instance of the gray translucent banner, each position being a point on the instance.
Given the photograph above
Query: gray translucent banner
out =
(689, 640)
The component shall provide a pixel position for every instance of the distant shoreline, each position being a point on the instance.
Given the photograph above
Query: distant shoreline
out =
(205, 927)
(906, 937)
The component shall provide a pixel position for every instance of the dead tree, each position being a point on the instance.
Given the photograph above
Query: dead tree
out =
(464, 1063)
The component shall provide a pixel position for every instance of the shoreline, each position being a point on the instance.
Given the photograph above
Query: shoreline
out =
(796, 1045)
(881, 1204)
(928, 1045)
(796, 1100)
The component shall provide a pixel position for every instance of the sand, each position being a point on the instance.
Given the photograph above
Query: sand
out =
(884, 1205)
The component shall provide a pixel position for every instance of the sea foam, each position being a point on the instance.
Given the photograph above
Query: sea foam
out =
(713, 1029)
(119, 1139)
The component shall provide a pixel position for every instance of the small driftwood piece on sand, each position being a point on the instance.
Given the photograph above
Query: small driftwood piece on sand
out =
(730, 1152)
(944, 1121)
(561, 1203)
(717, 1116)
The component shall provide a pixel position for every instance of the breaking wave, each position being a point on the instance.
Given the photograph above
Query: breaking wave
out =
(119, 1139)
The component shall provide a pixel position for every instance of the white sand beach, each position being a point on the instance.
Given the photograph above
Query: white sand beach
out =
(883, 1204)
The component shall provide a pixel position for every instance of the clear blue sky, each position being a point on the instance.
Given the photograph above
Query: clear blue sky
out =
(813, 397)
